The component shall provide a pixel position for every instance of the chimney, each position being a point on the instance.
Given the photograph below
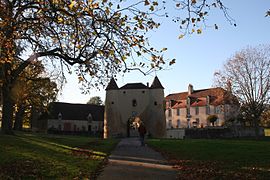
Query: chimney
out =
(147, 84)
(190, 89)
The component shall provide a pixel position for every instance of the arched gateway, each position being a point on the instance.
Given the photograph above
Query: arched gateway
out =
(131, 103)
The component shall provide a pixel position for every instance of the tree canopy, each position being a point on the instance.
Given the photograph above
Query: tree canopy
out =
(97, 37)
(95, 100)
(247, 75)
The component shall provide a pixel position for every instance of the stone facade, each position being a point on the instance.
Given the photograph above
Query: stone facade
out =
(75, 117)
(125, 107)
(191, 109)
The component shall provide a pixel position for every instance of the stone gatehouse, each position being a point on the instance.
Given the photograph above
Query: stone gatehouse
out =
(132, 103)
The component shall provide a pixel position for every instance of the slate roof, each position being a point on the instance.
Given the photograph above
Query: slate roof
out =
(156, 84)
(112, 85)
(134, 86)
(217, 96)
(76, 111)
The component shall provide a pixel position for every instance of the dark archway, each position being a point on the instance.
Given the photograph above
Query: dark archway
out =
(132, 126)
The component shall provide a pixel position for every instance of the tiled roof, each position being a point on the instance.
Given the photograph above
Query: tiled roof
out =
(112, 85)
(216, 97)
(134, 86)
(156, 84)
(76, 111)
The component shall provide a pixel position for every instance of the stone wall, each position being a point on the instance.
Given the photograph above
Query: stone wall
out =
(124, 105)
(215, 132)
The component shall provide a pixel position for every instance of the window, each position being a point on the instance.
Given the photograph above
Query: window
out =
(207, 99)
(170, 124)
(170, 113)
(134, 103)
(217, 109)
(112, 102)
(197, 110)
(207, 110)
(188, 111)
(178, 123)
(124, 92)
(155, 103)
(89, 117)
(143, 92)
(178, 112)
(188, 101)
(198, 121)
(188, 123)
(60, 116)
(169, 103)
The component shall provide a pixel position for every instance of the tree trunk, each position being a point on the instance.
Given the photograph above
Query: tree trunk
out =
(256, 127)
(33, 119)
(18, 124)
(7, 111)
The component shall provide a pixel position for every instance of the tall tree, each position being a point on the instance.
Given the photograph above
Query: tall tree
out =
(95, 100)
(31, 90)
(248, 75)
(32, 95)
(96, 36)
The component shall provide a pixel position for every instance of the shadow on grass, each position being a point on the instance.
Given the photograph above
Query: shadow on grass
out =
(39, 156)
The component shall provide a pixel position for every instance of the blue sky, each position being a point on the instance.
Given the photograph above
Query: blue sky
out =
(197, 56)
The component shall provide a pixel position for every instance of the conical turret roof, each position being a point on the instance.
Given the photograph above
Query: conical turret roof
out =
(112, 85)
(156, 84)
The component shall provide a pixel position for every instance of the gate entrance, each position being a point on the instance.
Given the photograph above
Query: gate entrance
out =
(132, 126)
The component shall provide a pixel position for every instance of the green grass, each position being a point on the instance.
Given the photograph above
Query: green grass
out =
(221, 159)
(39, 156)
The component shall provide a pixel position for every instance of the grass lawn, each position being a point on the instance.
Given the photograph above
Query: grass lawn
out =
(217, 159)
(42, 156)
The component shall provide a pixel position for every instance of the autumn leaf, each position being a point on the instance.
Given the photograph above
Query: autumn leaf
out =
(155, 3)
(172, 62)
(146, 3)
(95, 5)
(71, 4)
(107, 11)
(180, 36)
(80, 78)
(164, 49)
(60, 20)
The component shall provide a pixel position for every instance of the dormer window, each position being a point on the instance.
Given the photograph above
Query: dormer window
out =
(59, 116)
(188, 101)
(89, 117)
(170, 103)
(208, 99)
